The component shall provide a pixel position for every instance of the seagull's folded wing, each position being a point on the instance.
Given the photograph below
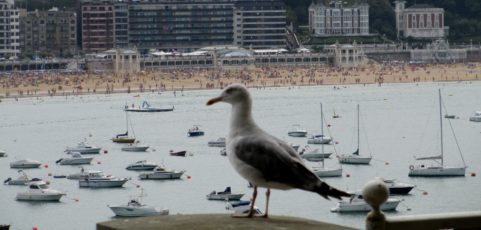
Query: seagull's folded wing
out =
(277, 161)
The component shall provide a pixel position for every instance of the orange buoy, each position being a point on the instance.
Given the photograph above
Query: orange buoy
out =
(473, 174)
(45, 166)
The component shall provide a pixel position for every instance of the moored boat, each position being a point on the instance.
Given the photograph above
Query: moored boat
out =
(314, 154)
(135, 148)
(135, 208)
(357, 204)
(99, 180)
(225, 195)
(355, 158)
(76, 159)
(476, 117)
(160, 173)
(178, 153)
(398, 188)
(83, 148)
(297, 131)
(142, 165)
(3, 153)
(22, 179)
(39, 191)
(195, 131)
(146, 107)
(220, 142)
(25, 164)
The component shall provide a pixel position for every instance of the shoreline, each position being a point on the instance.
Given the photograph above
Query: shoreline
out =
(25, 86)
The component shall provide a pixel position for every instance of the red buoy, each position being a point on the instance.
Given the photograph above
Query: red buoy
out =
(76, 199)
(105, 151)
(45, 166)
(34, 228)
(348, 175)
(49, 174)
(473, 174)
(425, 193)
(337, 142)
(189, 177)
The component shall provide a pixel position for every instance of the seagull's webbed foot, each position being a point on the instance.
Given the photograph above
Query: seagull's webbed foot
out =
(248, 215)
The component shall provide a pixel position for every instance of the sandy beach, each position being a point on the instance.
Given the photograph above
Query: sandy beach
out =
(56, 84)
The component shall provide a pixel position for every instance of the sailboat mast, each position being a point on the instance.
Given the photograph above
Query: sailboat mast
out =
(441, 123)
(322, 129)
(358, 128)
(127, 121)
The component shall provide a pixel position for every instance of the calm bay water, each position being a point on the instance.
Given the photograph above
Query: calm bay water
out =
(398, 123)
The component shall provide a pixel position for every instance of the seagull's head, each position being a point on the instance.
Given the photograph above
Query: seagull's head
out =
(232, 94)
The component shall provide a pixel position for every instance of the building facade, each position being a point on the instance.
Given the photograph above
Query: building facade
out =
(419, 21)
(53, 32)
(333, 18)
(175, 25)
(182, 25)
(97, 25)
(9, 29)
(259, 24)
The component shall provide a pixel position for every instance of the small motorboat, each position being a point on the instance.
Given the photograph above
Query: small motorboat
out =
(39, 191)
(135, 208)
(123, 139)
(177, 153)
(319, 139)
(22, 179)
(297, 131)
(242, 207)
(76, 159)
(146, 107)
(476, 117)
(357, 204)
(3, 153)
(225, 195)
(135, 148)
(160, 173)
(398, 188)
(142, 165)
(83, 148)
(223, 152)
(220, 142)
(99, 180)
(447, 116)
(313, 154)
(25, 164)
(195, 131)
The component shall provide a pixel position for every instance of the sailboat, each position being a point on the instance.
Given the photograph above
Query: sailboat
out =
(439, 169)
(320, 138)
(355, 158)
(124, 137)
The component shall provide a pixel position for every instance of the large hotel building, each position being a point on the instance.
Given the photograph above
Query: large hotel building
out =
(182, 25)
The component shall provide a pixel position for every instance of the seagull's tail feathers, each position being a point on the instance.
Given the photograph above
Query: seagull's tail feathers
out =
(327, 191)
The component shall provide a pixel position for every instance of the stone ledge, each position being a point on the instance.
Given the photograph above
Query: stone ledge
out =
(215, 221)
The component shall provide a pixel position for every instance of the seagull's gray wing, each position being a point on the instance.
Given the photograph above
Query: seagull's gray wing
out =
(275, 161)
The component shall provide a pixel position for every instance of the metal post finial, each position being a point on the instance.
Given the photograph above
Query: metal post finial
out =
(375, 193)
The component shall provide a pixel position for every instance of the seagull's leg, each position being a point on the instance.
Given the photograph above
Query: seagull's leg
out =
(250, 214)
(268, 194)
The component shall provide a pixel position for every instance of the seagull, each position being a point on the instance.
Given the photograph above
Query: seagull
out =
(262, 159)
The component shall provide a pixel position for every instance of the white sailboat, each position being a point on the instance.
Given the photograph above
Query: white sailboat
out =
(438, 169)
(355, 158)
(124, 137)
(320, 139)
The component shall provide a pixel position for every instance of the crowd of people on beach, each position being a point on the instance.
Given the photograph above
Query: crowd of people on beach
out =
(56, 83)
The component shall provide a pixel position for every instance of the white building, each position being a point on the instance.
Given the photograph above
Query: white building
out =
(419, 21)
(332, 18)
(347, 55)
(9, 29)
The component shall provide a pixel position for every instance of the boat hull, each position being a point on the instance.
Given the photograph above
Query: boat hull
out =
(38, 197)
(124, 140)
(319, 141)
(129, 211)
(400, 190)
(135, 148)
(195, 134)
(297, 134)
(2, 153)
(437, 172)
(475, 119)
(150, 110)
(161, 176)
(216, 144)
(76, 161)
(355, 160)
(324, 172)
(178, 154)
(316, 156)
(224, 196)
(24, 165)
(361, 206)
(84, 151)
(101, 184)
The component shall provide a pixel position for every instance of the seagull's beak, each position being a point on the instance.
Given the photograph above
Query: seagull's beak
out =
(214, 100)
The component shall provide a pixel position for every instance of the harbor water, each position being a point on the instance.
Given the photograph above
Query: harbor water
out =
(398, 122)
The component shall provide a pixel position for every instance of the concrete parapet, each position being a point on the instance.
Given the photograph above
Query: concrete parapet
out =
(216, 221)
